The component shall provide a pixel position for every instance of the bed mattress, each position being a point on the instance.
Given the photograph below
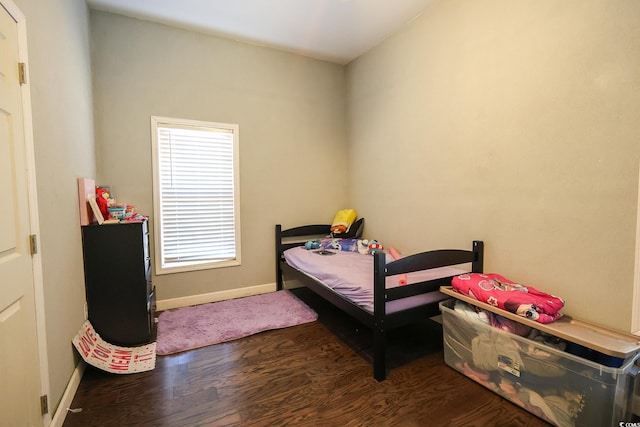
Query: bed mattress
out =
(350, 274)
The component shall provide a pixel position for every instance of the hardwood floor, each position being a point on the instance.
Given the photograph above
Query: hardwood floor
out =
(317, 374)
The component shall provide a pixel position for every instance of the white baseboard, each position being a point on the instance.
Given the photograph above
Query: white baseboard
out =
(167, 304)
(69, 394)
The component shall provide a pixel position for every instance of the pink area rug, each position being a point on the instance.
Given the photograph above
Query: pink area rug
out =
(187, 328)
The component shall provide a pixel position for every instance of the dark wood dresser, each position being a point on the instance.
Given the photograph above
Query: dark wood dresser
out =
(120, 293)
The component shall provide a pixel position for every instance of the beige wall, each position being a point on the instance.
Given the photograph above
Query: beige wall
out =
(291, 111)
(60, 80)
(522, 114)
(512, 122)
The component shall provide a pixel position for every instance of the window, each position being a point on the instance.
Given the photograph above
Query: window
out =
(195, 194)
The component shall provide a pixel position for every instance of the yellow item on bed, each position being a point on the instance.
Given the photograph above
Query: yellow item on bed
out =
(342, 221)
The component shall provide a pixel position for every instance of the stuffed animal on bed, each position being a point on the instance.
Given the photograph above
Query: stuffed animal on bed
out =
(342, 221)
(373, 247)
(363, 246)
(312, 244)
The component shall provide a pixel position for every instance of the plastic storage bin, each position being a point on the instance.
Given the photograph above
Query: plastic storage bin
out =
(561, 388)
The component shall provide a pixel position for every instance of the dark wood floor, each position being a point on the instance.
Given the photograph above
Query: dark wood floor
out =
(317, 374)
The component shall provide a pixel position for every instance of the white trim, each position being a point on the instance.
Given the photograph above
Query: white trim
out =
(13, 10)
(38, 281)
(69, 394)
(34, 220)
(635, 309)
(234, 129)
(168, 304)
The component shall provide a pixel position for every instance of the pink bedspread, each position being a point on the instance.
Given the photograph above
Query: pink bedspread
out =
(351, 275)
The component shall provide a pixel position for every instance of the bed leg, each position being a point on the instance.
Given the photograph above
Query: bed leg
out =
(379, 354)
(279, 280)
(478, 250)
(379, 314)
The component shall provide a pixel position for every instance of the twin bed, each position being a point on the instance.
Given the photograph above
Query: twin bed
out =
(372, 288)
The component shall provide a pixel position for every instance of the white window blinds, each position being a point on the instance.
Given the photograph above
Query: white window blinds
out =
(195, 194)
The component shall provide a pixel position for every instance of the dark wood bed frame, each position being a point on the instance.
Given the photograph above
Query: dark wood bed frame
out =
(379, 321)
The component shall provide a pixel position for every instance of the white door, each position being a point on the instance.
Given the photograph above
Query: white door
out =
(19, 363)
(635, 312)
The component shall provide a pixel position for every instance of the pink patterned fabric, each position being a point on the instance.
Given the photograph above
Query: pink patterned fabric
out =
(496, 290)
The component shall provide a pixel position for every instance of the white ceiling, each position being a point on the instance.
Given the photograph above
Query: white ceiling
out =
(332, 30)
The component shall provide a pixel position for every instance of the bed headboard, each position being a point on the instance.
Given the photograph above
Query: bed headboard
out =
(292, 237)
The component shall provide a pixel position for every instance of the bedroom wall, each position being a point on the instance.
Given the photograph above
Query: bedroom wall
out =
(60, 85)
(291, 111)
(511, 122)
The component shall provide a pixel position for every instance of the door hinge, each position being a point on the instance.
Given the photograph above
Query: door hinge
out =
(22, 73)
(44, 404)
(33, 244)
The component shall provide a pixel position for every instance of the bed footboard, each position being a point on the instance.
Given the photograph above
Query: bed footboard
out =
(421, 261)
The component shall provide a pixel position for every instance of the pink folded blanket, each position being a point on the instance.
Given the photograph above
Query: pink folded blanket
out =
(496, 290)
